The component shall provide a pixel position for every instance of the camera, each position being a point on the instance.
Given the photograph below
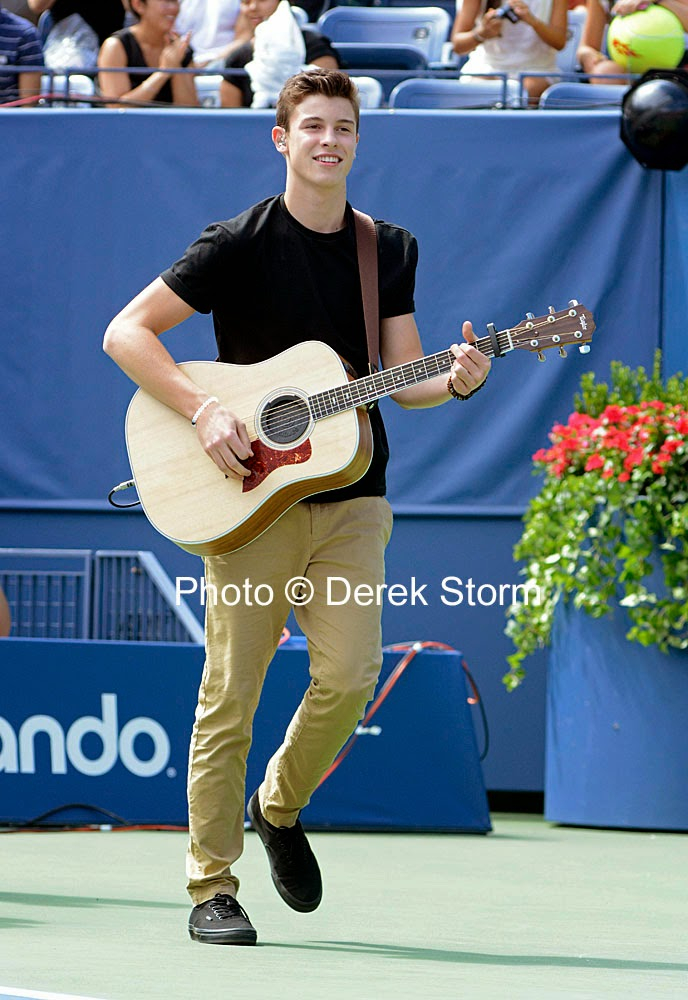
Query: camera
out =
(508, 12)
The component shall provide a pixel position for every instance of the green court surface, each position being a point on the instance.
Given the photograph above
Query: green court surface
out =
(530, 911)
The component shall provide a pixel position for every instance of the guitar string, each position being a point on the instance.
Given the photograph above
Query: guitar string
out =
(442, 359)
(342, 393)
(279, 417)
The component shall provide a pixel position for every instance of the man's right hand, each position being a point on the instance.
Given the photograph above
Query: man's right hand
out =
(223, 436)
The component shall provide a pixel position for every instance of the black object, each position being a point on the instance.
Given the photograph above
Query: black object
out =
(508, 12)
(294, 870)
(221, 920)
(654, 119)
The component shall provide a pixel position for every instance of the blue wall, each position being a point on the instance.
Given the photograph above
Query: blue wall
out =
(513, 211)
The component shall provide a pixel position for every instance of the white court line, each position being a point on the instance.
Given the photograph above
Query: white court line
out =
(10, 992)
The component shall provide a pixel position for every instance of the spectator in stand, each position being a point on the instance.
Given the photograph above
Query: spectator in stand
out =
(314, 8)
(20, 46)
(104, 16)
(216, 28)
(236, 91)
(598, 13)
(150, 42)
(511, 38)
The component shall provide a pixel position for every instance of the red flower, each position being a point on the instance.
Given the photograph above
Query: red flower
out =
(623, 438)
(613, 413)
(633, 458)
(671, 445)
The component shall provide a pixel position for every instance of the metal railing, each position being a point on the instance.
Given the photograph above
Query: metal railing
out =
(81, 594)
(48, 592)
(57, 91)
(134, 600)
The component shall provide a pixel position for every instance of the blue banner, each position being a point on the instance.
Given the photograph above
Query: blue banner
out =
(89, 730)
(503, 229)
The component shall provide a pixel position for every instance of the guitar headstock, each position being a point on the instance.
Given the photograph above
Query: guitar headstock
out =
(574, 325)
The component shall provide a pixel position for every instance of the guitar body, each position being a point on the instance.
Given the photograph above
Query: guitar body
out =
(308, 428)
(186, 497)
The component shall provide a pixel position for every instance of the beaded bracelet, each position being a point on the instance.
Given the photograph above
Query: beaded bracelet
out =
(457, 395)
(201, 408)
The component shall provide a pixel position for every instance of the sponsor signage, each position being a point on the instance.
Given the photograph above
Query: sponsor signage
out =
(90, 728)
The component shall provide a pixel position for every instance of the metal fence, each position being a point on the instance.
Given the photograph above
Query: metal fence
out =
(81, 594)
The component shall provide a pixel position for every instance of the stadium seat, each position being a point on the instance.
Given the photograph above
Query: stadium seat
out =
(61, 86)
(370, 91)
(448, 5)
(566, 57)
(368, 55)
(463, 93)
(577, 96)
(425, 28)
(381, 60)
(208, 90)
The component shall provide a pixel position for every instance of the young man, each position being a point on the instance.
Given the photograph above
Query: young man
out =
(283, 272)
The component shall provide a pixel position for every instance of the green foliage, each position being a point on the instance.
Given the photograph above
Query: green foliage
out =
(610, 524)
(629, 386)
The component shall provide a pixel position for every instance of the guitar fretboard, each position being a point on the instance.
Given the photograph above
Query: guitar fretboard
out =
(369, 388)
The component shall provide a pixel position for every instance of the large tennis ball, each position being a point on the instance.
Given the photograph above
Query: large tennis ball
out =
(647, 39)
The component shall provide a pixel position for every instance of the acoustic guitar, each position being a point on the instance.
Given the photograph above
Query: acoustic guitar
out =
(308, 426)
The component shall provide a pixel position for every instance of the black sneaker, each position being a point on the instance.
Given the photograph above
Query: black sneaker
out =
(294, 869)
(221, 920)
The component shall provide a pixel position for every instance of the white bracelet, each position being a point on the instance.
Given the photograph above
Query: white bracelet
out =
(201, 408)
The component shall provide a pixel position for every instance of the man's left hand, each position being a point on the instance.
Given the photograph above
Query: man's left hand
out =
(471, 367)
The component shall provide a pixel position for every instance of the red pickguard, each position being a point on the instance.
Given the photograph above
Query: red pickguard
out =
(265, 460)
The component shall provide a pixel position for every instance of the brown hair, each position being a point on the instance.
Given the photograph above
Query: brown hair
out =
(328, 82)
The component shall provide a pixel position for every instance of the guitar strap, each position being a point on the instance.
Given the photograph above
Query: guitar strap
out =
(366, 248)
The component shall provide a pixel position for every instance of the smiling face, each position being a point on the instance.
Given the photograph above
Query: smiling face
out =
(158, 13)
(257, 11)
(319, 143)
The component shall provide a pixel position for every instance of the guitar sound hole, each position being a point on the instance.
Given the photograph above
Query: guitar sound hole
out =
(285, 419)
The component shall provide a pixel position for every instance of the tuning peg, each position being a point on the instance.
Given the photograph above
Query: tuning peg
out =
(562, 352)
(584, 348)
(541, 356)
(551, 310)
(573, 302)
(530, 315)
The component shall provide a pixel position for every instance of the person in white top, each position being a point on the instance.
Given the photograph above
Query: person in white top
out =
(215, 27)
(512, 38)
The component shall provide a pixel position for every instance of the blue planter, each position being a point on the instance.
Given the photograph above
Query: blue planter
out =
(616, 728)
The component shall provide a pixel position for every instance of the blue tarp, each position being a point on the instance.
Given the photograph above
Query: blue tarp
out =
(513, 211)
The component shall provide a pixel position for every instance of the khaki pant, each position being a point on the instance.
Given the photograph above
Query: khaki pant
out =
(316, 541)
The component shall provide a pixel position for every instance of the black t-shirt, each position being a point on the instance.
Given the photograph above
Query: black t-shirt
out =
(136, 59)
(270, 283)
(104, 16)
(317, 46)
